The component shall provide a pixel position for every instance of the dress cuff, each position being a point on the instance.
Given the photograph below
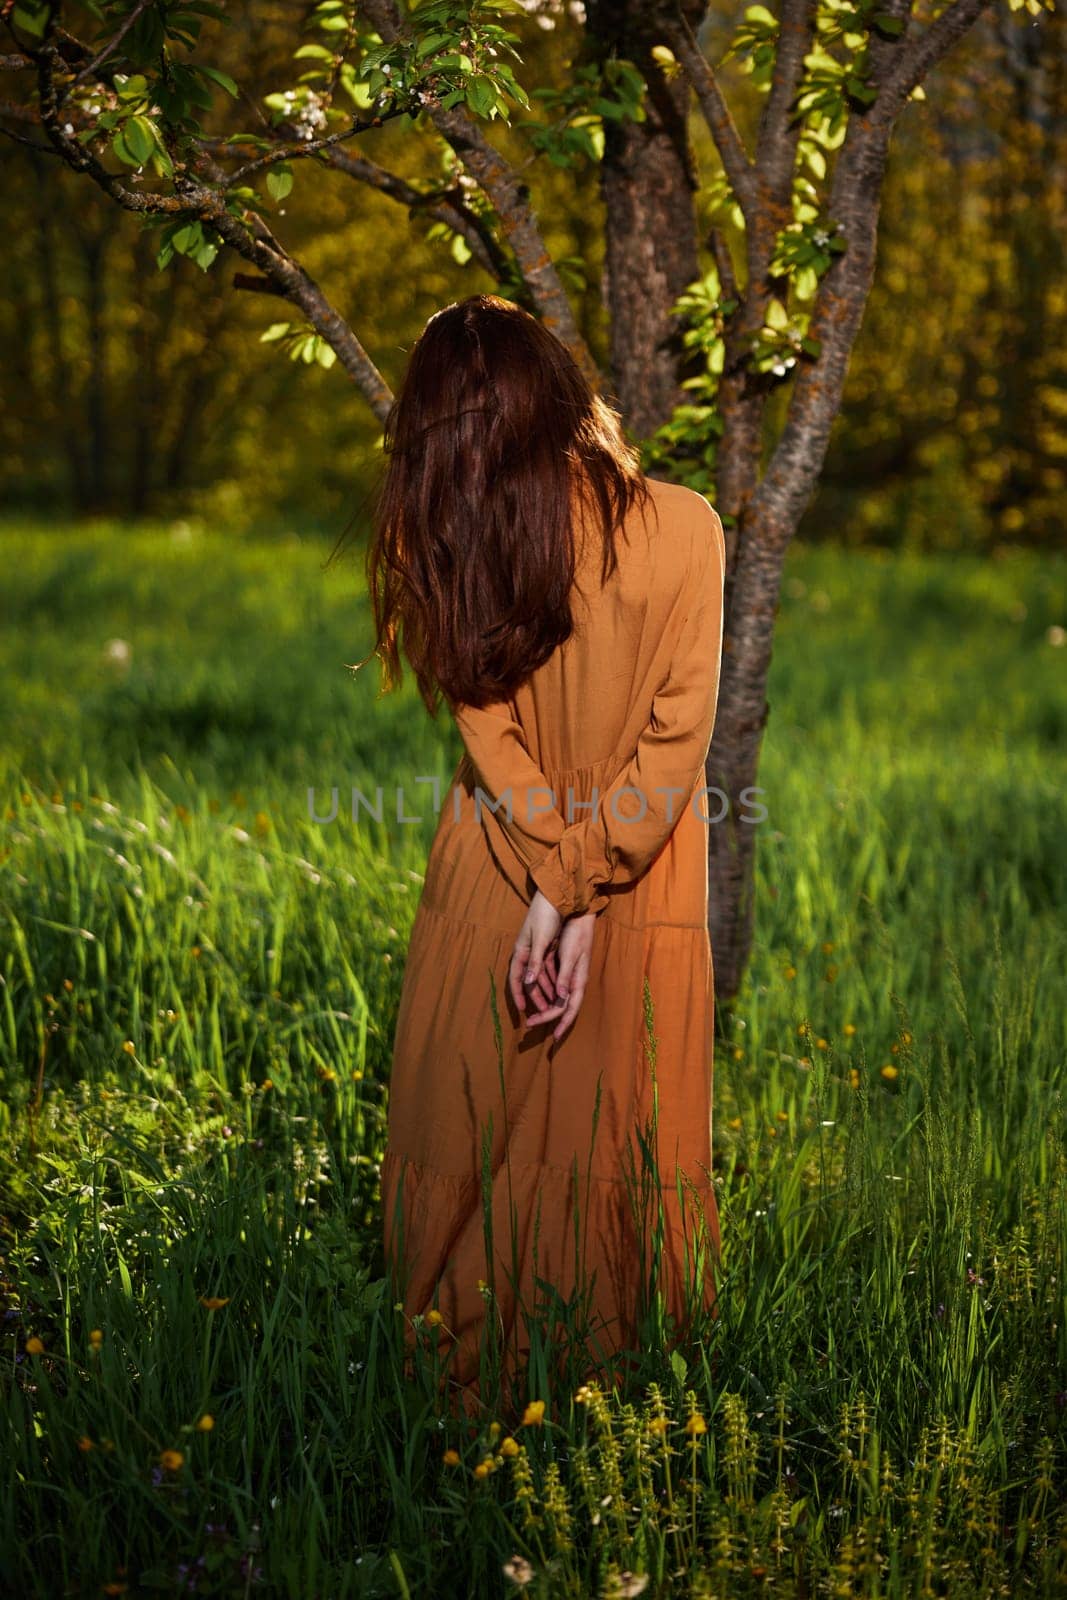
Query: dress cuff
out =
(561, 878)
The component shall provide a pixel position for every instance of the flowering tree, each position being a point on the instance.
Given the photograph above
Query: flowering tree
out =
(123, 91)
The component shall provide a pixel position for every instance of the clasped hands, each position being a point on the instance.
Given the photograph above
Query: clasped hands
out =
(550, 965)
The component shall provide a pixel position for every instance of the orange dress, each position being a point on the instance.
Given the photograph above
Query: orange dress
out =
(589, 785)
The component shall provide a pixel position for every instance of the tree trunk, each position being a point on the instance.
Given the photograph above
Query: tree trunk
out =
(767, 523)
(648, 184)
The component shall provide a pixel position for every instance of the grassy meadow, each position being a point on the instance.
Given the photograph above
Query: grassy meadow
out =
(203, 1389)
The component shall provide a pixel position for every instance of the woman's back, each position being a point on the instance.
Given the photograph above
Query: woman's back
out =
(607, 673)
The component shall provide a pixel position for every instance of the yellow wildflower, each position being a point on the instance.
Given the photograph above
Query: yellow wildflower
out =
(85, 1444)
(171, 1460)
(534, 1415)
(509, 1446)
(481, 1470)
(849, 1029)
(889, 1071)
(854, 1077)
(206, 1423)
(34, 1346)
(451, 1458)
(696, 1425)
(130, 1048)
(213, 1302)
(434, 1319)
(96, 1338)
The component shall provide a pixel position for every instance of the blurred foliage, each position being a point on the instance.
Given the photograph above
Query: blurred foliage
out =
(127, 390)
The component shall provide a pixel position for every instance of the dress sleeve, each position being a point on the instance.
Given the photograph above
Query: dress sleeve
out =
(616, 843)
(522, 820)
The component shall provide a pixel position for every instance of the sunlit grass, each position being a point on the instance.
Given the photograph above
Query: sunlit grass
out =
(198, 990)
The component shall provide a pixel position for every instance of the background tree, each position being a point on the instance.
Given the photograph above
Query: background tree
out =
(737, 264)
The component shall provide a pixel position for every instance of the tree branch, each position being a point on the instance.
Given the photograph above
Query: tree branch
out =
(249, 236)
(312, 147)
(31, 144)
(776, 140)
(854, 203)
(920, 53)
(444, 206)
(91, 66)
(716, 242)
(509, 198)
(740, 172)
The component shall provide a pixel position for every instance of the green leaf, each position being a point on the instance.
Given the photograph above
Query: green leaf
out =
(317, 52)
(133, 88)
(122, 150)
(760, 15)
(277, 330)
(223, 79)
(325, 354)
(888, 24)
(678, 1366)
(806, 281)
(432, 42)
(481, 96)
(31, 18)
(777, 315)
(140, 137)
(280, 180)
(206, 254)
(187, 237)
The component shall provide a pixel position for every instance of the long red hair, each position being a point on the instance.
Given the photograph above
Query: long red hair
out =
(493, 442)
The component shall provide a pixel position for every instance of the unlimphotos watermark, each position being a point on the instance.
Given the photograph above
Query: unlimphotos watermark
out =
(541, 800)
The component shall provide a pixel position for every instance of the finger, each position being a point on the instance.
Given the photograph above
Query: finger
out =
(519, 959)
(544, 988)
(574, 999)
(535, 960)
(569, 959)
(548, 1014)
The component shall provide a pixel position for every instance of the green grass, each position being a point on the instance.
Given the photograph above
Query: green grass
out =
(198, 989)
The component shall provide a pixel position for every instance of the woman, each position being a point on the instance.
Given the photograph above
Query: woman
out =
(569, 612)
